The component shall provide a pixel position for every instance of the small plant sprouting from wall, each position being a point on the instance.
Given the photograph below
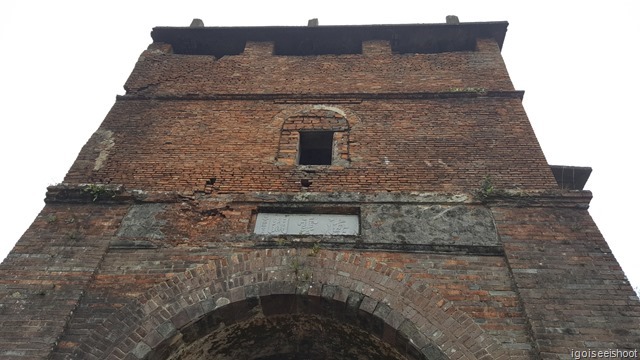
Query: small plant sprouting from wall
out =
(305, 276)
(296, 267)
(99, 191)
(486, 188)
(315, 249)
(299, 271)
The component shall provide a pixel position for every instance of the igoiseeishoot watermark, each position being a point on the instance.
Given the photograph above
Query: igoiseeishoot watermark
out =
(604, 354)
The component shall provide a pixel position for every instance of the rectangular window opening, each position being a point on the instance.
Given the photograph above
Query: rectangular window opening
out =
(316, 148)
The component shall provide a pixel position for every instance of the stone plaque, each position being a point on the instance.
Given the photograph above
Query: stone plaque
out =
(307, 224)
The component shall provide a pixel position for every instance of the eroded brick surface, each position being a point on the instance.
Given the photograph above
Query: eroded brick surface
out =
(573, 290)
(46, 274)
(177, 75)
(182, 145)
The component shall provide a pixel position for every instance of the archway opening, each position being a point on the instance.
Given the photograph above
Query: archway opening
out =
(288, 327)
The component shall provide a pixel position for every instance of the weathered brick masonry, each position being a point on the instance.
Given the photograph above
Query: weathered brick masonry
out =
(466, 246)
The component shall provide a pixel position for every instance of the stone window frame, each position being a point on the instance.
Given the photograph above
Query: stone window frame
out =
(313, 118)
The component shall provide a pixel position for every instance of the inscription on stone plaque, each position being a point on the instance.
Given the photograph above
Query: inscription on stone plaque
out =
(306, 224)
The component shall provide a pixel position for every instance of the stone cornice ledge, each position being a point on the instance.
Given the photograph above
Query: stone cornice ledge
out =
(539, 198)
(114, 194)
(330, 97)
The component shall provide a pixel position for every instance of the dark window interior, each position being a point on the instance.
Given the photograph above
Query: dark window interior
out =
(316, 147)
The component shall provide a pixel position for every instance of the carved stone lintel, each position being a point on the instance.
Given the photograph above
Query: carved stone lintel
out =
(307, 224)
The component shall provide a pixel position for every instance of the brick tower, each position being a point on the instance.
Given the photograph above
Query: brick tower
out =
(318, 192)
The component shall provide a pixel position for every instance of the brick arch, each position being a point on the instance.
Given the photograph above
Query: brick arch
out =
(349, 115)
(313, 325)
(413, 313)
(313, 118)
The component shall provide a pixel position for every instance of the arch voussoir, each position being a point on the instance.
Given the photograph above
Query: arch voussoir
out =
(409, 314)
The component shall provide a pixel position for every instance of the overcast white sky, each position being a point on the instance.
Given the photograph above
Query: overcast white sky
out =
(63, 62)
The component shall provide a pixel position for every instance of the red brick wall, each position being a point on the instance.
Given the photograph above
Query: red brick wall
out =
(258, 72)
(476, 288)
(403, 144)
(394, 145)
(48, 271)
(572, 288)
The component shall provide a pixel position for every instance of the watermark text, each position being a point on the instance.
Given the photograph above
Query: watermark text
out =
(604, 354)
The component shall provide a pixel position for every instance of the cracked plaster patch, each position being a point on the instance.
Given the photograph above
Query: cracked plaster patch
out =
(141, 221)
(105, 145)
